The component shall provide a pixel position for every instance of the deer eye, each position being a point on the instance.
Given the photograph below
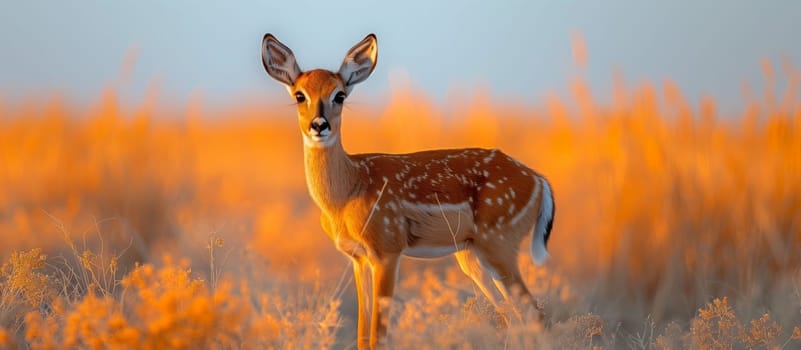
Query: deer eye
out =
(300, 97)
(340, 97)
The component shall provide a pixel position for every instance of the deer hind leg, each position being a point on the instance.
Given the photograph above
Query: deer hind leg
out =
(511, 285)
(471, 266)
(516, 294)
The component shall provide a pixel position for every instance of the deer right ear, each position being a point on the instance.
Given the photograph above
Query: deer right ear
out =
(279, 61)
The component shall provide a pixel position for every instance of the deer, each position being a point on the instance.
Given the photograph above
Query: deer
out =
(475, 204)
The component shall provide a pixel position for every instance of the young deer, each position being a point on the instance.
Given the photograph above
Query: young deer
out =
(474, 203)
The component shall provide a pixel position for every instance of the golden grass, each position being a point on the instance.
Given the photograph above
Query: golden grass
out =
(676, 227)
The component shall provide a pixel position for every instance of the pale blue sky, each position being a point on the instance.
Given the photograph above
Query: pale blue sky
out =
(519, 49)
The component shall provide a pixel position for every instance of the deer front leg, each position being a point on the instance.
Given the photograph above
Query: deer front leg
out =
(360, 267)
(384, 274)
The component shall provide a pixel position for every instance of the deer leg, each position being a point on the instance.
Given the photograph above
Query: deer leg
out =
(471, 266)
(510, 282)
(384, 274)
(521, 297)
(360, 276)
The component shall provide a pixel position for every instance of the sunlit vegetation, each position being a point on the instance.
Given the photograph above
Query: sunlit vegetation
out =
(137, 227)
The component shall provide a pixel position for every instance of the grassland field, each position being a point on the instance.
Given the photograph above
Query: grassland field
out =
(142, 227)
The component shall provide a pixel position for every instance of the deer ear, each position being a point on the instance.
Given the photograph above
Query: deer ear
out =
(359, 62)
(279, 61)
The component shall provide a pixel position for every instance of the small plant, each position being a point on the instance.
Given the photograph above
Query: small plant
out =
(21, 281)
(23, 286)
(716, 326)
(642, 340)
(216, 267)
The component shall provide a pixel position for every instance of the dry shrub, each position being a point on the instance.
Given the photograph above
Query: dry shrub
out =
(22, 280)
(672, 338)
(23, 285)
(716, 326)
(166, 307)
(578, 332)
(430, 309)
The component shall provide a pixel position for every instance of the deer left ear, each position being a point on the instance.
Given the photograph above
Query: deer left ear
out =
(359, 62)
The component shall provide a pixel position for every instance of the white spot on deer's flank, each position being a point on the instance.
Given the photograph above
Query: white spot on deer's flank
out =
(490, 185)
(386, 220)
(500, 200)
(486, 173)
(484, 236)
(488, 158)
(488, 201)
(500, 237)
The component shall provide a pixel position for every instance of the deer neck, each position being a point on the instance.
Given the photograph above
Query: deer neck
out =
(330, 175)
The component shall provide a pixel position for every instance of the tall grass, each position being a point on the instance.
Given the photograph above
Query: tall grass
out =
(677, 226)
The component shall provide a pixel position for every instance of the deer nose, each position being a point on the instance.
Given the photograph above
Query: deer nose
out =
(320, 124)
